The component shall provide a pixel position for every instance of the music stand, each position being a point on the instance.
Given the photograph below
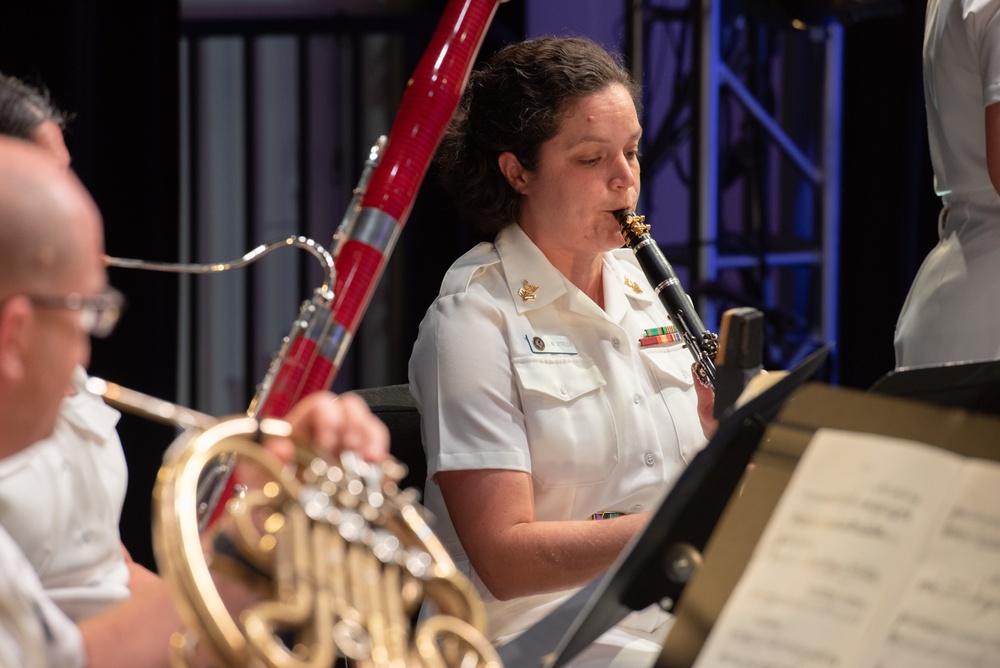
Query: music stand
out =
(973, 386)
(647, 572)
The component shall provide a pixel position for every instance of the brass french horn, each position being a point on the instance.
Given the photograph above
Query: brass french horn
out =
(338, 557)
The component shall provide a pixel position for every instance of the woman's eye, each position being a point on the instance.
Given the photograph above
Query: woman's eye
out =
(591, 161)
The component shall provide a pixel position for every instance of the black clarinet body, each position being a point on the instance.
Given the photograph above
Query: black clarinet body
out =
(702, 343)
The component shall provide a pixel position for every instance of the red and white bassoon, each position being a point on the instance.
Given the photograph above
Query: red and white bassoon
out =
(315, 348)
(321, 334)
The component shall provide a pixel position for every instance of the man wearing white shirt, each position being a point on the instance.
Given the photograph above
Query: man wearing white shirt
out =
(54, 295)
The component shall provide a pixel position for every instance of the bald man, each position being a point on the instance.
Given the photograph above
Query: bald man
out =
(50, 246)
(61, 499)
(54, 294)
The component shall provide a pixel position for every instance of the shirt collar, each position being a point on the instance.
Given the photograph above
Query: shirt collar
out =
(533, 280)
(88, 413)
(529, 273)
(624, 282)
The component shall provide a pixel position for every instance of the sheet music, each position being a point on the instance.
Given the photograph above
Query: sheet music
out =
(949, 614)
(882, 552)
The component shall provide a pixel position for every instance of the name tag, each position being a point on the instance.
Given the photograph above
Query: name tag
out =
(549, 344)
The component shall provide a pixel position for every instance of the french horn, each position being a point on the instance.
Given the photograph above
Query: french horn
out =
(338, 557)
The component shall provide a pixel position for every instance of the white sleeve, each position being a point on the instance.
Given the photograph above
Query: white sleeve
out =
(462, 380)
(982, 25)
(33, 631)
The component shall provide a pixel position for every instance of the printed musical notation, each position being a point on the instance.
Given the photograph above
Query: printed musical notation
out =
(882, 552)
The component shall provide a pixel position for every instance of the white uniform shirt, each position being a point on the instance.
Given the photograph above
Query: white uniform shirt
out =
(961, 78)
(553, 386)
(61, 500)
(950, 312)
(34, 633)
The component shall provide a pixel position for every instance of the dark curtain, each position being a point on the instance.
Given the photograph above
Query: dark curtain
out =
(114, 66)
(889, 209)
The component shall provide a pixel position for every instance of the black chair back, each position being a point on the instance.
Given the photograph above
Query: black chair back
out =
(394, 405)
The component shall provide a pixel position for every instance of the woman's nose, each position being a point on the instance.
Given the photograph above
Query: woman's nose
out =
(623, 176)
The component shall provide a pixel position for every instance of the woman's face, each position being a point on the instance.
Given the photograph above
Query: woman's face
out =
(586, 172)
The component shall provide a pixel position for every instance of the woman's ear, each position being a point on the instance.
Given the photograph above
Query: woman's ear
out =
(15, 317)
(512, 170)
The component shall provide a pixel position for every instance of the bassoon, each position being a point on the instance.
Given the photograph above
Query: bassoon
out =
(313, 351)
(321, 334)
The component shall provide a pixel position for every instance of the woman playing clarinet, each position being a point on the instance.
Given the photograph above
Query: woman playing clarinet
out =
(558, 401)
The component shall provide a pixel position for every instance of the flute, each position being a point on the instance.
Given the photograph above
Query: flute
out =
(702, 343)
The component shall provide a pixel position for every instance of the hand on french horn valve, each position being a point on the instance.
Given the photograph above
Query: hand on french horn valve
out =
(334, 424)
(336, 428)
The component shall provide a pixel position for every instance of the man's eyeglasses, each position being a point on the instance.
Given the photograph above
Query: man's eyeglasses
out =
(98, 314)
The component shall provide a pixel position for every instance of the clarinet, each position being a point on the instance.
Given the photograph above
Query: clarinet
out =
(702, 343)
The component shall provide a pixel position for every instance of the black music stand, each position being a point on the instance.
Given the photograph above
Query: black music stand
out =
(973, 386)
(646, 573)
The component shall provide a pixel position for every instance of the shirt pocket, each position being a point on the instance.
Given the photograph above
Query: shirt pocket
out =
(569, 422)
(670, 373)
(669, 366)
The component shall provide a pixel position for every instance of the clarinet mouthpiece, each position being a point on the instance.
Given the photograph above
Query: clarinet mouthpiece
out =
(632, 224)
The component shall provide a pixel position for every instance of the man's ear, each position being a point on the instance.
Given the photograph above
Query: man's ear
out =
(15, 320)
(512, 170)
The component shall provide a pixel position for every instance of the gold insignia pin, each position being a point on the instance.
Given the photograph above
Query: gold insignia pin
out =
(632, 284)
(527, 291)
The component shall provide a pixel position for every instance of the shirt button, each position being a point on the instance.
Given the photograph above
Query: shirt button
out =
(616, 342)
(635, 398)
(650, 459)
(562, 390)
(85, 535)
(636, 508)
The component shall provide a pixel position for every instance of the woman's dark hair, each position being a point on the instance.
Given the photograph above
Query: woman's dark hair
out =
(515, 103)
(23, 108)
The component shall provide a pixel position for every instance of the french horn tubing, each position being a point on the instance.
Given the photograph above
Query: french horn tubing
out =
(217, 477)
(320, 253)
(339, 556)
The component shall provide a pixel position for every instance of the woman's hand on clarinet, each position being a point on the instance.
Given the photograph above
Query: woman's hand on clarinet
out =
(335, 424)
(706, 404)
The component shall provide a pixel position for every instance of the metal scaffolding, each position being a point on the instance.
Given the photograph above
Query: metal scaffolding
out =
(762, 164)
